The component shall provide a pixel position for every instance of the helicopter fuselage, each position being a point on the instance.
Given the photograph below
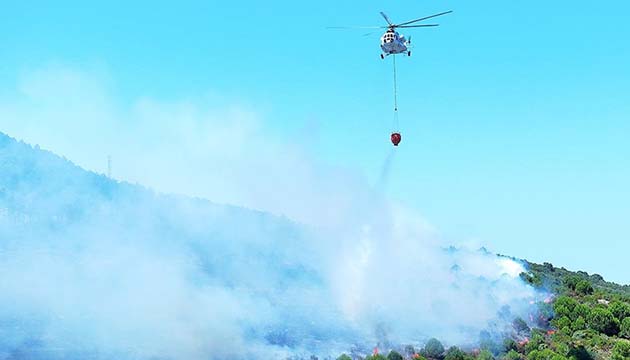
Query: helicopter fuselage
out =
(394, 43)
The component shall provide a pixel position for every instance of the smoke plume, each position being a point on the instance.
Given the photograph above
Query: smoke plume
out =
(95, 268)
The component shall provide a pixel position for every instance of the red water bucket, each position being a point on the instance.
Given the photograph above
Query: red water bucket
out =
(395, 138)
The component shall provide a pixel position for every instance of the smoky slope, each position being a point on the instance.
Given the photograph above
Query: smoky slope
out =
(71, 238)
(92, 268)
(42, 193)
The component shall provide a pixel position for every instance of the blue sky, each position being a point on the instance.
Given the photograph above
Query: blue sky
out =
(514, 115)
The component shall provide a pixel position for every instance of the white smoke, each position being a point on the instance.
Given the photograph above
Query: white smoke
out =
(90, 268)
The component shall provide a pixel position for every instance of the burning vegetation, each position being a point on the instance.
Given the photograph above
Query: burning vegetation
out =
(583, 317)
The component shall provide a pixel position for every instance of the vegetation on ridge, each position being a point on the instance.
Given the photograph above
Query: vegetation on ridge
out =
(585, 318)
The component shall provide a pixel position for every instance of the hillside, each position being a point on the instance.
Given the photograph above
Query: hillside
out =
(94, 268)
(91, 267)
(554, 279)
(584, 318)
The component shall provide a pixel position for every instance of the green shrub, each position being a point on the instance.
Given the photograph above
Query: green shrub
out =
(621, 351)
(509, 344)
(603, 321)
(344, 357)
(579, 324)
(584, 287)
(533, 279)
(580, 310)
(511, 355)
(393, 355)
(571, 281)
(485, 355)
(561, 346)
(545, 354)
(534, 342)
(584, 334)
(564, 306)
(619, 309)
(534, 355)
(562, 322)
(434, 348)
(625, 328)
(558, 357)
(520, 325)
(579, 353)
(455, 353)
(566, 331)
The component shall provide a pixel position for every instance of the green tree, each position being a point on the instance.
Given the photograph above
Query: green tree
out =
(558, 357)
(562, 322)
(579, 324)
(564, 306)
(545, 312)
(579, 353)
(455, 353)
(571, 281)
(580, 310)
(534, 355)
(509, 344)
(603, 321)
(485, 355)
(533, 279)
(566, 331)
(545, 354)
(621, 351)
(344, 357)
(534, 342)
(620, 310)
(520, 325)
(584, 287)
(393, 355)
(560, 346)
(511, 355)
(625, 328)
(434, 348)
(562, 311)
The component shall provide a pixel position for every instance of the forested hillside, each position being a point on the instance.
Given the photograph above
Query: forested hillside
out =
(584, 318)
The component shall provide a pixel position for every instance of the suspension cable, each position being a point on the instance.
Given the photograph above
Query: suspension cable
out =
(395, 96)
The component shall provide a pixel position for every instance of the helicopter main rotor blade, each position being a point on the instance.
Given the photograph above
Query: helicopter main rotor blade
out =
(424, 18)
(356, 27)
(386, 19)
(413, 26)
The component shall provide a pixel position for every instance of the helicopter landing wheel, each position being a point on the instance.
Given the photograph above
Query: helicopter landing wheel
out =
(382, 56)
(408, 53)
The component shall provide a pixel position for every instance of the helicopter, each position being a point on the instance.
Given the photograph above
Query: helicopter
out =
(392, 42)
